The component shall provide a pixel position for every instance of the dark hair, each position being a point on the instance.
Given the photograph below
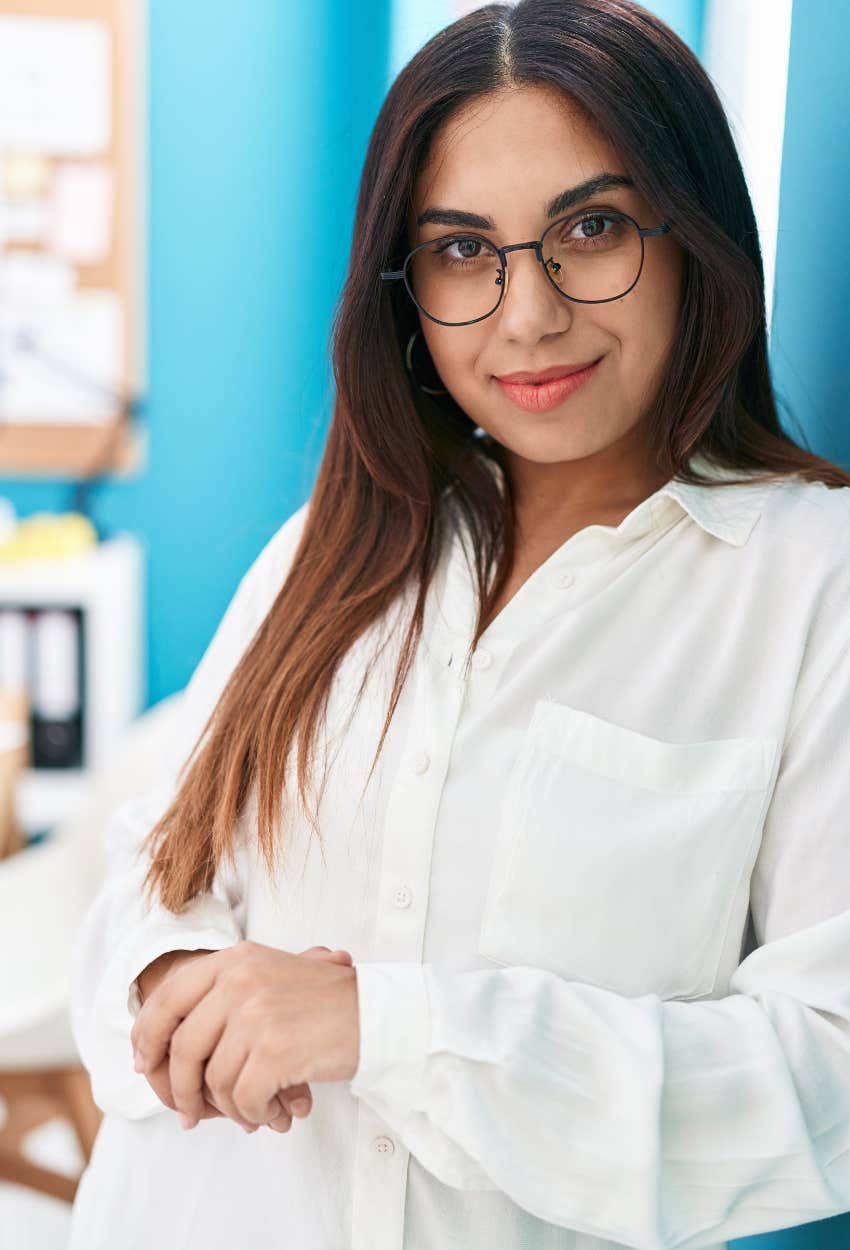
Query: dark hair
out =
(375, 525)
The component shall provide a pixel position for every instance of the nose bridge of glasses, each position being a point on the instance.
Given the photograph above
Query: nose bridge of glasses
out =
(534, 245)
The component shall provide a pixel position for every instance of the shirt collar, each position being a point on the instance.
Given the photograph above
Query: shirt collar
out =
(729, 514)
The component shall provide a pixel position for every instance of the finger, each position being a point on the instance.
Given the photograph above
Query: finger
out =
(179, 991)
(296, 1094)
(192, 1043)
(294, 1102)
(299, 1101)
(160, 1083)
(255, 1085)
(221, 1073)
(325, 952)
(281, 1123)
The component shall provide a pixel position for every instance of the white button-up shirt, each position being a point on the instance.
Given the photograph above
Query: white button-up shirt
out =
(597, 895)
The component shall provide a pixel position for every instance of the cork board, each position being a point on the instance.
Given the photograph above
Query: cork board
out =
(73, 251)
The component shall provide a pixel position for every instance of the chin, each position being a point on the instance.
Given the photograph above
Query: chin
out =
(552, 447)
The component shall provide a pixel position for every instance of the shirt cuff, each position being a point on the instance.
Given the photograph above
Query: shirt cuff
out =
(148, 946)
(395, 1028)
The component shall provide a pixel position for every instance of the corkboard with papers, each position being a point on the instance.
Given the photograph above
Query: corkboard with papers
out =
(72, 236)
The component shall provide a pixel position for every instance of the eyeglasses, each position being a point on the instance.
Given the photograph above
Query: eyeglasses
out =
(461, 278)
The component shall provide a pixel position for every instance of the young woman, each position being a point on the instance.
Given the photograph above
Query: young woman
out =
(507, 821)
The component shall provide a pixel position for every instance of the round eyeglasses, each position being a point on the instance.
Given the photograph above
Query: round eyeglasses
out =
(589, 257)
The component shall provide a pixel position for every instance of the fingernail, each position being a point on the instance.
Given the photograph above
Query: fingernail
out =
(301, 1106)
(185, 1120)
(252, 1129)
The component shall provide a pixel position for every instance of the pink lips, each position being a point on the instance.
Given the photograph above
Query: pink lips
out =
(543, 396)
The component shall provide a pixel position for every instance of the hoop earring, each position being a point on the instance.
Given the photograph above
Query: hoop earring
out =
(408, 360)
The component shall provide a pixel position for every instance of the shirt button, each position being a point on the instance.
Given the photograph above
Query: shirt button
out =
(384, 1145)
(481, 658)
(402, 897)
(420, 761)
(563, 578)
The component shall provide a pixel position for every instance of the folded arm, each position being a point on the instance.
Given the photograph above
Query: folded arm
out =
(122, 932)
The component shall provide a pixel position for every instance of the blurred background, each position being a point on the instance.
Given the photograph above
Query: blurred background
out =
(177, 191)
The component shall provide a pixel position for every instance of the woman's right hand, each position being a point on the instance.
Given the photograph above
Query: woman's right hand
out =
(281, 1112)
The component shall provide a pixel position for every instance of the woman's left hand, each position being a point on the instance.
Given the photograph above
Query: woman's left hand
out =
(246, 1022)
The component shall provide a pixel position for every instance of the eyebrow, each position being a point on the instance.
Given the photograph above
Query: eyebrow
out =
(555, 208)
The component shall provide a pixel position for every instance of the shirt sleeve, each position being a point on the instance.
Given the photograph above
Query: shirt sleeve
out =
(122, 931)
(662, 1124)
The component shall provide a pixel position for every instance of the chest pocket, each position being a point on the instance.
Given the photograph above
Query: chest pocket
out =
(619, 856)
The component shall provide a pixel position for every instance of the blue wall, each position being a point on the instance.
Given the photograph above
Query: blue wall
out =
(259, 117)
(811, 309)
(811, 313)
(684, 16)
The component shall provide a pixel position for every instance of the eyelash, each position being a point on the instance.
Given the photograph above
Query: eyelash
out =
(587, 214)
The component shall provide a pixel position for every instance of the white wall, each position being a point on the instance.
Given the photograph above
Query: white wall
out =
(745, 51)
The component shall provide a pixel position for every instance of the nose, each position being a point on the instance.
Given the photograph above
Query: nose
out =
(530, 305)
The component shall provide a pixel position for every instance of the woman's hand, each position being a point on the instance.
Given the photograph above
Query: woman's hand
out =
(248, 1021)
(160, 1081)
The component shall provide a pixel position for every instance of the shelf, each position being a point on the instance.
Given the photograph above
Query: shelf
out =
(46, 797)
(75, 451)
(105, 582)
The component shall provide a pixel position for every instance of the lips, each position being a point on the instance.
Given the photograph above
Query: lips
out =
(547, 396)
(545, 375)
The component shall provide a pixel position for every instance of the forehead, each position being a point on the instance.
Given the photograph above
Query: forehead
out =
(527, 142)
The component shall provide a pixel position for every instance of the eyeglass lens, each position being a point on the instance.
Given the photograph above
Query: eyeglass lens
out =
(590, 256)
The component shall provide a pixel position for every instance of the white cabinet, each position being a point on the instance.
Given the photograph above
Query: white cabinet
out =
(105, 585)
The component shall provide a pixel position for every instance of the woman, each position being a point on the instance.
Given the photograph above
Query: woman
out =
(546, 915)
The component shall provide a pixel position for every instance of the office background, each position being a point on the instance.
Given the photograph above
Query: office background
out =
(258, 119)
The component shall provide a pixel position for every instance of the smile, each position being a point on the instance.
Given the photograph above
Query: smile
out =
(544, 396)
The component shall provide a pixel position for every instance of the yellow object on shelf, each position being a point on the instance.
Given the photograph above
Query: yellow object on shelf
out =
(47, 535)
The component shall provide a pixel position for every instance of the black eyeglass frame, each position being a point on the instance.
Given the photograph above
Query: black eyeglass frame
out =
(644, 232)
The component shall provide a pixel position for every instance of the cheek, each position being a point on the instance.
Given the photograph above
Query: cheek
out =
(455, 356)
(660, 291)
(648, 323)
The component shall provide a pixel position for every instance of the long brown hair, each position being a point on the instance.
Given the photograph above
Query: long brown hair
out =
(375, 525)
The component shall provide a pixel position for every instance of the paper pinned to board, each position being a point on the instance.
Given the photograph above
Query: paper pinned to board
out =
(80, 224)
(55, 85)
(35, 278)
(24, 175)
(25, 210)
(62, 360)
(24, 221)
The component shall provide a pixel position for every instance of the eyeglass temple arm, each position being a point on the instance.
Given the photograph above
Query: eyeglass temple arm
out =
(653, 230)
(387, 275)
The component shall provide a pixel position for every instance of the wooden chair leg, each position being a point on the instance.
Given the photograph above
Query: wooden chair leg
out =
(33, 1098)
(74, 1093)
(21, 1171)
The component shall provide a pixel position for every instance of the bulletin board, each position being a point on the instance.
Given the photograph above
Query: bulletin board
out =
(73, 251)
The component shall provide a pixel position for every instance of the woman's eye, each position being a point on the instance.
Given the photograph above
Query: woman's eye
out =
(597, 227)
(467, 249)
(596, 219)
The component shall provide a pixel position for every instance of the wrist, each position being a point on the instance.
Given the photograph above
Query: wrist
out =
(152, 974)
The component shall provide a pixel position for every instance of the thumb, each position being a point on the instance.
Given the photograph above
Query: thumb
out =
(325, 952)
